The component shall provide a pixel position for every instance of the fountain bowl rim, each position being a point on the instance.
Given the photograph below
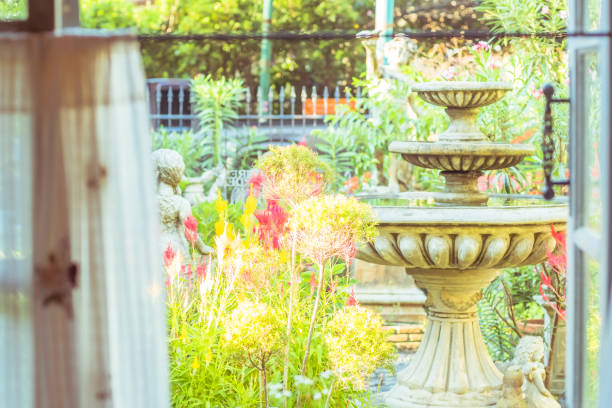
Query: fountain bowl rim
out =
(463, 86)
(461, 148)
(485, 216)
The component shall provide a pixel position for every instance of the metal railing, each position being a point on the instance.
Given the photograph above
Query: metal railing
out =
(171, 106)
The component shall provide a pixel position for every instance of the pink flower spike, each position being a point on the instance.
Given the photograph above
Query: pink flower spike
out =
(191, 229)
(303, 141)
(191, 223)
(351, 300)
(313, 281)
(169, 255)
(255, 182)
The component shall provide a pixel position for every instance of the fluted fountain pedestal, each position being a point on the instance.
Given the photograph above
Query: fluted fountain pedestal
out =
(451, 367)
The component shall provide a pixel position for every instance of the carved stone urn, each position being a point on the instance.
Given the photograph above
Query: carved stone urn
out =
(454, 245)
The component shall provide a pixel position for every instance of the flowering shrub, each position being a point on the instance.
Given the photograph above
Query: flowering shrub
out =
(257, 326)
(358, 331)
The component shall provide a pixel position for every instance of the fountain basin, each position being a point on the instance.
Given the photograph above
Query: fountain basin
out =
(453, 253)
(460, 94)
(463, 237)
(462, 156)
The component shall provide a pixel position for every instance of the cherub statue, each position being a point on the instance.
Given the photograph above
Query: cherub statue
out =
(512, 394)
(529, 355)
(173, 209)
(399, 52)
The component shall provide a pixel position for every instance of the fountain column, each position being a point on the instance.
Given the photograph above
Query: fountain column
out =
(451, 367)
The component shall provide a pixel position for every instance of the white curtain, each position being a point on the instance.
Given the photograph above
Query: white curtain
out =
(94, 212)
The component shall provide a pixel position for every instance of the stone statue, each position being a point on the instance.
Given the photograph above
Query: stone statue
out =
(399, 52)
(512, 394)
(374, 60)
(173, 209)
(529, 355)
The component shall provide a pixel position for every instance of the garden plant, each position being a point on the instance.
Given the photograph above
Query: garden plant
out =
(269, 321)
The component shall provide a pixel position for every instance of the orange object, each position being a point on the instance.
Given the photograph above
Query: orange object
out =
(331, 106)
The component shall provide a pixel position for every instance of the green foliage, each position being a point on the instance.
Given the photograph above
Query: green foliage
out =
(356, 140)
(507, 301)
(207, 215)
(216, 104)
(12, 10)
(186, 144)
(302, 64)
(528, 64)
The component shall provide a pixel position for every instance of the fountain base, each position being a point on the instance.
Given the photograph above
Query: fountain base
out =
(451, 367)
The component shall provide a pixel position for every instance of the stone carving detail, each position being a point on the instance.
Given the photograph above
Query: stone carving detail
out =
(460, 250)
(173, 209)
(460, 302)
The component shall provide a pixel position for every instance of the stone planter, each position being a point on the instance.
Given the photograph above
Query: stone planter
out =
(532, 327)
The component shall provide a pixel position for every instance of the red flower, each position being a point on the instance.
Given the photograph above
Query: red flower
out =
(352, 184)
(255, 182)
(201, 270)
(169, 255)
(191, 229)
(272, 222)
(351, 300)
(186, 270)
(303, 141)
(313, 282)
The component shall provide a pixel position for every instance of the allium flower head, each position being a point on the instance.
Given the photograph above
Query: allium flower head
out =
(357, 344)
(293, 173)
(330, 226)
(253, 331)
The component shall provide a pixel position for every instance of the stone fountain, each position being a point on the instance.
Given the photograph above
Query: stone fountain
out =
(454, 243)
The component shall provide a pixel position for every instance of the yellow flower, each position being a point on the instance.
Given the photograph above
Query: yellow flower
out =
(219, 227)
(245, 219)
(221, 204)
(196, 364)
(250, 204)
(209, 356)
(230, 232)
(183, 333)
